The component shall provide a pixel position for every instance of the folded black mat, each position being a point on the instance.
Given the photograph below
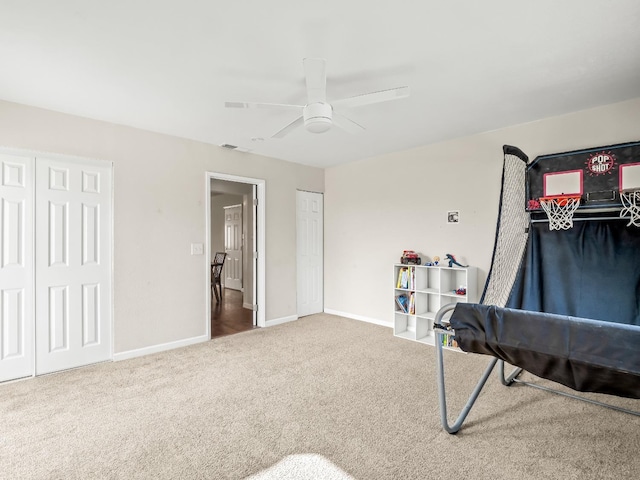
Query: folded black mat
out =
(585, 355)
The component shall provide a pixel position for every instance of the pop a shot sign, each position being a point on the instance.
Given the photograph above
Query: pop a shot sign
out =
(600, 163)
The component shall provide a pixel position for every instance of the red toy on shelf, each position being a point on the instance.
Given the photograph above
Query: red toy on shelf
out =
(409, 256)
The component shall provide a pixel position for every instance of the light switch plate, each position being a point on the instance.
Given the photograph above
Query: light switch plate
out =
(197, 249)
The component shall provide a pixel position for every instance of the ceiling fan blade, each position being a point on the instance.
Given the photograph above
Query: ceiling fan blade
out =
(315, 74)
(292, 126)
(374, 97)
(280, 106)
(347, 124)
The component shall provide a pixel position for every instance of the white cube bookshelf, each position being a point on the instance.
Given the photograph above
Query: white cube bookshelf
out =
(431, 287)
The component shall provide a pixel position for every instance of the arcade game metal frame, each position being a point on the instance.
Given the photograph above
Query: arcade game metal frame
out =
(594, 185)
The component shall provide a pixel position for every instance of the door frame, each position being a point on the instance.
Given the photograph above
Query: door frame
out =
(258, 264)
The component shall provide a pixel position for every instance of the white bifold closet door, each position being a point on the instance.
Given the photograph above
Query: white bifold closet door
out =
(70, 255)
(16, 268)
(73, 263)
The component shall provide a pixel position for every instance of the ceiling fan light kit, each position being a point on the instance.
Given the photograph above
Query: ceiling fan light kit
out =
(318, 115)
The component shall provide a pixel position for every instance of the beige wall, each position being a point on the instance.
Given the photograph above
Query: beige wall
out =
(378, 207)
(374, 209)
(160, 293)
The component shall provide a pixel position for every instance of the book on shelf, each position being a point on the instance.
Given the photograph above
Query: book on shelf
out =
(402, 302)
(403, 278)
(406, 304)
(449, 340)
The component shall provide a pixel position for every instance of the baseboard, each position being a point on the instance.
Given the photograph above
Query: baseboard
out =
(278, 321)
(159, 348)
(361, 318)
(248, 306)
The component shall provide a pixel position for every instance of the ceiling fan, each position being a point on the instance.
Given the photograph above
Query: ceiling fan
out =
(317, 115)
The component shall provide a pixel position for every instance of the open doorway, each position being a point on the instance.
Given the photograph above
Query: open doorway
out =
(235, 231)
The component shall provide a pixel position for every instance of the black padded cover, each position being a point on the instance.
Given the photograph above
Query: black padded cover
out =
(585, 355)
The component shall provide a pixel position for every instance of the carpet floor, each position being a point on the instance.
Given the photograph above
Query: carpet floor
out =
(324, 393)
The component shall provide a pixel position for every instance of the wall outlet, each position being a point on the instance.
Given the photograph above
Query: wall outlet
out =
(197, 249)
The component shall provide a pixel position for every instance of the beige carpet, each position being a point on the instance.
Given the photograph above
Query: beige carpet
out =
(336, 393)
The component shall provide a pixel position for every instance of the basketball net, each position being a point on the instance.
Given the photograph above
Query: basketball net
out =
(631, 206)
(560, 211)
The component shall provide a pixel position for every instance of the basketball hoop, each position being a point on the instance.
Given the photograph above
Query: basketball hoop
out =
(559, 210)
(631, 206)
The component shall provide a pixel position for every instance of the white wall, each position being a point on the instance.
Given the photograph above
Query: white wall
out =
(378, 207)
(160, 292)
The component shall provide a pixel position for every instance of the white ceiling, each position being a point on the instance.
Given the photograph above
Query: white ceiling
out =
(169, 66)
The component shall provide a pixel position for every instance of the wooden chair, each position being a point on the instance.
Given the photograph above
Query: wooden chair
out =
(216, 274)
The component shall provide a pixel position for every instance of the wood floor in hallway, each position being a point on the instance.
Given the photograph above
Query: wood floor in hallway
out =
(228, 316)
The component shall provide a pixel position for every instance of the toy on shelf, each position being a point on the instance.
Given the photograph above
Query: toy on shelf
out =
(435, 262)
(461, 291)
(409, 256)
(453, 261)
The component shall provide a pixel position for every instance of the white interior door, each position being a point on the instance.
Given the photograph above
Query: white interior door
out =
(16, 267)
(310, 246)
(233, 247)
(73, 263)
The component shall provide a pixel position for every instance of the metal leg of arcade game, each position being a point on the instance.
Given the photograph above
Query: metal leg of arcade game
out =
(513, 378)
(439, 332)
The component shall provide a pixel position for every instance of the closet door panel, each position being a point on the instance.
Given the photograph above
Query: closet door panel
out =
(16, 267)
(73, 263)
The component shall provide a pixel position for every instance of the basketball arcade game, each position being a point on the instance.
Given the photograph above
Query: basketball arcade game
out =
(586, 183)
(562, 298)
